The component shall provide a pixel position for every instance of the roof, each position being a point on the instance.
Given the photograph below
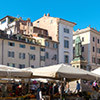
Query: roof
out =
(68, 21)
(6, 17)
(80, 31)
(59, 18)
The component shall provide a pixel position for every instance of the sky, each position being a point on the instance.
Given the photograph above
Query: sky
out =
(82, 12)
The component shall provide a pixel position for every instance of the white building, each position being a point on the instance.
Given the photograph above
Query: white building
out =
(61, 31)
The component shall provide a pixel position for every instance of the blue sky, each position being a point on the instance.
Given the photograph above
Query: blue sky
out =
(83, 12)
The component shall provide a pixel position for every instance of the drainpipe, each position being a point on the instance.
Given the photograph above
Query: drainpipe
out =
(40, 57)
(2, 51)
(29, 60)
(58, 43)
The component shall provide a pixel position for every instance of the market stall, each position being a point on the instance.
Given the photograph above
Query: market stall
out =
(8, 77)
(63, 71)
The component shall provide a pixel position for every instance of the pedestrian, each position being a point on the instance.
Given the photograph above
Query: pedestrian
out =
(77, 87)
(95, 95)
(66, 89)
(39, 93)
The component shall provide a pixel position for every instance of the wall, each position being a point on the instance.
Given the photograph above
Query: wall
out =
(65, 36)
(17, 50)
(49, 23)
(4, 25)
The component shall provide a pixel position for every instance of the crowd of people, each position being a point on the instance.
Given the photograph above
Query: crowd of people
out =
(52, 89)
(39, 89)
(13, 89)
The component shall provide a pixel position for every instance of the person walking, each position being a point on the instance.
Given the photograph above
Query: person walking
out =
(39, 93)
(66, 89)
(78, 87)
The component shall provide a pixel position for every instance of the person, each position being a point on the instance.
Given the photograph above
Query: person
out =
(95, 95)
(51, 91)
(4, 90)
(95, 84)
(34, 87)
(66, 89)
(78, 87)
(39, 93)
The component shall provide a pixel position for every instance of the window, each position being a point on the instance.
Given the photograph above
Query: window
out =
(51, 21)
(46, 55)
(77, 66)
(11, 54)
(11, 64)
(93, 49)
(22, 55)
(10, 20)
(66, 30)
(73, 41)
(46, 43)
(21, 45)
(93, 59)
(98, 40)
(42, 58)
(55, 57)
(98, 60)
(66, 58)
(3, 21)
(32, 66)
(66, 43)
(21, 66)
(55, 45)
(32, 57)
(32, 47)
(11, 44)
(93, 39)
(82, 66)
(42, 49)
(82, 39)
(98, 50)
(82, 49)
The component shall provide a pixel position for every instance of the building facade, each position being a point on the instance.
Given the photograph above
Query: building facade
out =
(14, 25)
(90, 46)
(61, 31)
(17, 32)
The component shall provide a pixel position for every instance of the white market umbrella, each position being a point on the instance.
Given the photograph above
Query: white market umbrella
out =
(96, 71)
(11, 72)
(63, 71)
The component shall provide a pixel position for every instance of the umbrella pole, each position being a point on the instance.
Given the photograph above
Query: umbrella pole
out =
(29, 86)
(61, 89)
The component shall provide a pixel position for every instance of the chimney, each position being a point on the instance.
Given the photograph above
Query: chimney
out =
(20, 18)
(28, 19)
(44, 15)
(48, 14)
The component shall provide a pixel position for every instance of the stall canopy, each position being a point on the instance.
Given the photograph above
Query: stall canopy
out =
(96, 71)
(62, 71)
(11, 72)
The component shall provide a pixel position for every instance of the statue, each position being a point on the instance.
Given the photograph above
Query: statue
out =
(78, 46)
